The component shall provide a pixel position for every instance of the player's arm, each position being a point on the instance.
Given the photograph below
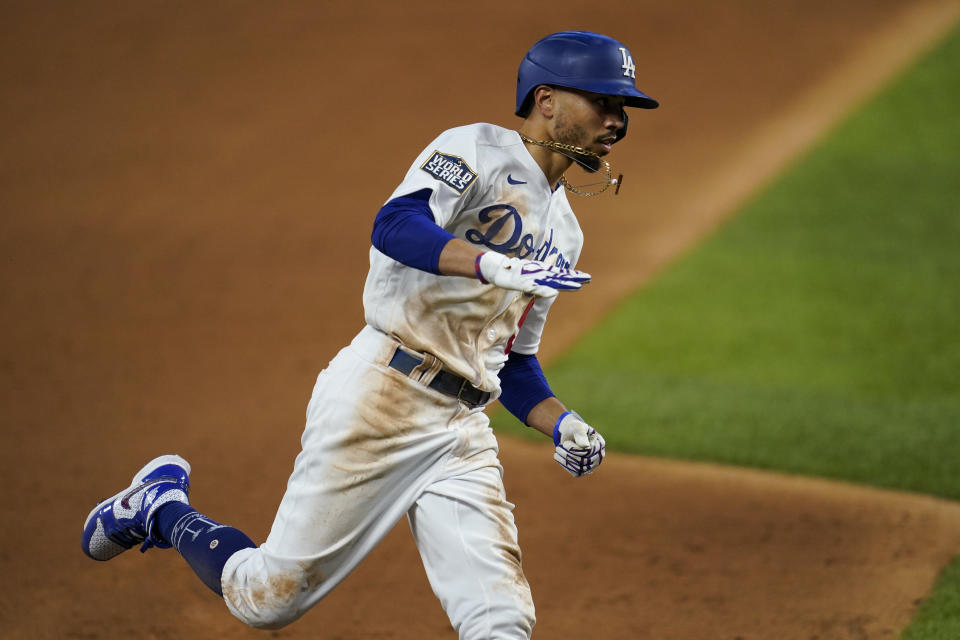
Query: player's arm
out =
(526, 394)
(459, 258)
(405, 230)
(544, 415)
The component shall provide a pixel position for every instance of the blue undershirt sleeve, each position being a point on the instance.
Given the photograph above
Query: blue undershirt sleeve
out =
(406, 231)
(523, 385)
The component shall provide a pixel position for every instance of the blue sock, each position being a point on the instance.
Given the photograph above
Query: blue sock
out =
(205, 545)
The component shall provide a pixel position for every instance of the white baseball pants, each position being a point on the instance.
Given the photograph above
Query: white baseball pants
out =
(378, 445)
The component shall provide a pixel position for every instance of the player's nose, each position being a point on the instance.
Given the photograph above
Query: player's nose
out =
(614, 118)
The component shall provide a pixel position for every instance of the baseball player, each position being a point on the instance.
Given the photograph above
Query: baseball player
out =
(468, 254)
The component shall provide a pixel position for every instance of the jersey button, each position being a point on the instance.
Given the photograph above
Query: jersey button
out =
(491, 334)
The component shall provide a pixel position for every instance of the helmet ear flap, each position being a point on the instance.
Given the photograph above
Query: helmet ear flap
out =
(622, 131)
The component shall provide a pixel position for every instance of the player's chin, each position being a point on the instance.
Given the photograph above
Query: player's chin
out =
(590, 163)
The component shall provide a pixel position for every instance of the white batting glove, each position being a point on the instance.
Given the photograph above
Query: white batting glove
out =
(579, 448)
(530, 276)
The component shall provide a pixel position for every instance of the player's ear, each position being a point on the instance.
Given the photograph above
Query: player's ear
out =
(544, 100)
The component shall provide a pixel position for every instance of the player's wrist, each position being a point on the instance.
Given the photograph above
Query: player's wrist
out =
(556, 427)
(476, 267)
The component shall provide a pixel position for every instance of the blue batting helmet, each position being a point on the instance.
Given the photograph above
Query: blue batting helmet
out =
(580, 60)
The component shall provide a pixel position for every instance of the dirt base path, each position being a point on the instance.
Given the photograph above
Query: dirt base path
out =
(186, 195)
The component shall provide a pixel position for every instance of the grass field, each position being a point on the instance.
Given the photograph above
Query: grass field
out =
(818, 332)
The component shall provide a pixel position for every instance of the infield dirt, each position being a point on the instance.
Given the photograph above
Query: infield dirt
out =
(187, 192)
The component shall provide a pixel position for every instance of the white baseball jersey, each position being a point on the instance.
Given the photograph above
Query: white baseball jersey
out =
(379, 444)
(487, 190)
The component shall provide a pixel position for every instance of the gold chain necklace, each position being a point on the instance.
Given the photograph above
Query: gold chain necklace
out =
(572, 151)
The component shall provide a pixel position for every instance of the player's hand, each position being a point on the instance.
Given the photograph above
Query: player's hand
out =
(579, 448)
(530, 276)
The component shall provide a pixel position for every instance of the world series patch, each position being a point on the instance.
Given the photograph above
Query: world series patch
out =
(451, 170)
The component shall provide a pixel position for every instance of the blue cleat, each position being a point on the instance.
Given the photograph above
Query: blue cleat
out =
(120, 522)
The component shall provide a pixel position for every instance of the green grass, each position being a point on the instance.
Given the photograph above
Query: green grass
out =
(939, 616)
(816, 333)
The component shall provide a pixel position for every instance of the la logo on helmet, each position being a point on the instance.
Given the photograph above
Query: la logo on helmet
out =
(629, 69)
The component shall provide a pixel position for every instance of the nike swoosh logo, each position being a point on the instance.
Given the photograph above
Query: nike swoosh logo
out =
(512, 181)
(125, 500)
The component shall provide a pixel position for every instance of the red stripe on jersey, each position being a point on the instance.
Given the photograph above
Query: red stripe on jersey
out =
(522, 318)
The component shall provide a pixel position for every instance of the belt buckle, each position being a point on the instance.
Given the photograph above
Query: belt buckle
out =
(463, 386)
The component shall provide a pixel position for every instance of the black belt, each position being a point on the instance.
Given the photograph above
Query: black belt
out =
(445, 381)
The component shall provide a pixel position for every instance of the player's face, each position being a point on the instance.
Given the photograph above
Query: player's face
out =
(588, 120)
